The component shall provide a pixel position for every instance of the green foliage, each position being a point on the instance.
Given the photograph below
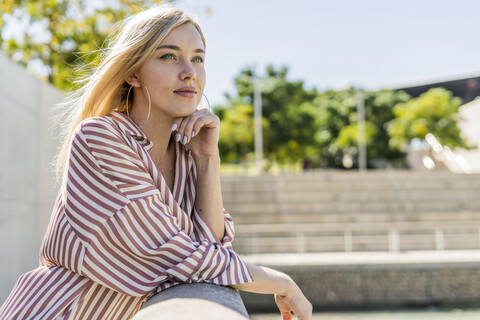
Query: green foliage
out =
(323, 127)
(348, 136)
(338, 126)
(435, 111)
(236, 132)
(300, 123)
(56, 34)
(288, 119)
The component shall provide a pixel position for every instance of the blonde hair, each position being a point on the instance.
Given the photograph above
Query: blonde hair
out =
(105, 89)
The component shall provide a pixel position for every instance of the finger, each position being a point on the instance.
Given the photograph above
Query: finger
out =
(305, 313)
(286, 315)
(176, 124)
(187, 129)
(208, 121)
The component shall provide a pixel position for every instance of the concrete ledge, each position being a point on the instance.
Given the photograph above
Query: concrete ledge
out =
(366, 258)
(376, 280)
(194, 301)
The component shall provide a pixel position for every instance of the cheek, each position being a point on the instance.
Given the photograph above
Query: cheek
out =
(158, 83)
(201, 78)
(154, 73)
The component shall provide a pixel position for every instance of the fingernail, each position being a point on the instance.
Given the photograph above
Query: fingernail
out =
(185, 140)
(193, 134)
(174, 127)
(178, 137)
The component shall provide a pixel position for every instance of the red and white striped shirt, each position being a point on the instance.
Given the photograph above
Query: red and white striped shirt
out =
(118, 234)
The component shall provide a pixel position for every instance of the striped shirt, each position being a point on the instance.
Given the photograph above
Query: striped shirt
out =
(118, 234)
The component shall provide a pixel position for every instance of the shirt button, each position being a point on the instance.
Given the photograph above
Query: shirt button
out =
(195, 277)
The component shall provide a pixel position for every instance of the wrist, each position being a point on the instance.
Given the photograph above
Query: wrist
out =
(206, 159)
(288, 287)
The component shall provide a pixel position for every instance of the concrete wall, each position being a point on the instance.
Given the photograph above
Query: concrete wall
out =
(388, 281)
(27, 185)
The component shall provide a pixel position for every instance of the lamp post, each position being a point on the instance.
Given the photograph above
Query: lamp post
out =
(257, 121)
(362, 146)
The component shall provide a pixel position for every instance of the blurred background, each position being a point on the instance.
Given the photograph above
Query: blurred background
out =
(349, 141)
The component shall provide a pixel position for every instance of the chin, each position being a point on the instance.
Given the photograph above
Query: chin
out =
(187, 110)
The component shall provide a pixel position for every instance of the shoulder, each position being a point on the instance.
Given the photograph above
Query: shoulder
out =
(100, 131)
(99, 136)
(98, 127)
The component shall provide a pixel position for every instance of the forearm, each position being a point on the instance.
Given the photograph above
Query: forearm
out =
(209, 195)
(267, 281)
(288, 295)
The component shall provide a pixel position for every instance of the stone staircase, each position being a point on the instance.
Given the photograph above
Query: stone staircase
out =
(349, 211)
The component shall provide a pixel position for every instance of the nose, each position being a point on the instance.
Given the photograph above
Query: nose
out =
(188, 71)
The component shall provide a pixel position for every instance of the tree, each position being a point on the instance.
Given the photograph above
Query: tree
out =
(50, 36)
(236, 134)
(337, 134)
(288, 121)
(435, 111)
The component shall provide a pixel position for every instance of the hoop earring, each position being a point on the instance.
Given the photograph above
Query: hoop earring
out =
(208, 102)
(126, 102)
(149, 103)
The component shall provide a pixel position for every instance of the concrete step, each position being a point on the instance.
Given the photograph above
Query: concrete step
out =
(357, 181)
(382, 194)
(316, 207)
(351, 211)
(319, 187)
(356, 243)
(368, 217)
(322, 185)
(345, 175)
(404, 227)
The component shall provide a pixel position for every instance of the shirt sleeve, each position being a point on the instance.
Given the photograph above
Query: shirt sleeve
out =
(203, 230)
(133, 245)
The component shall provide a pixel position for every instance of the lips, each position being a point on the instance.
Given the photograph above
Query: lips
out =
(188, 92)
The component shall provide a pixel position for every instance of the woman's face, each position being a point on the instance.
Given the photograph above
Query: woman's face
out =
(175, 74)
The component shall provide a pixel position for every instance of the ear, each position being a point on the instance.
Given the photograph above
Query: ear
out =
(133, 81)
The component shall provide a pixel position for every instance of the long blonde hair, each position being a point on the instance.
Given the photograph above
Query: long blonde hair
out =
(105, 89)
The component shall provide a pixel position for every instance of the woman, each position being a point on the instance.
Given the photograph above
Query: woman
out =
(140, 206)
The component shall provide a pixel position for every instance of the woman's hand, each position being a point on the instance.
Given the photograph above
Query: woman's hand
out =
(288, 295)
(294, 301)
(199, 132)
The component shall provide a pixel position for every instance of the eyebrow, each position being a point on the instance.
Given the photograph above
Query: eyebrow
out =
(177, 48)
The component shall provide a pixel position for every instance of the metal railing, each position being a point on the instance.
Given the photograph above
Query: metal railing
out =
(350, 237)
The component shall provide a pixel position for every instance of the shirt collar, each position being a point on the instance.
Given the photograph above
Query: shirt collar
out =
(129, 127)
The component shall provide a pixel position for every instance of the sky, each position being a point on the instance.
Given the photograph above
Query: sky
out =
(334, 44)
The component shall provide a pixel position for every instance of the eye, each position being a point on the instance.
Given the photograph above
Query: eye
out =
(168, 56)
(198, 59)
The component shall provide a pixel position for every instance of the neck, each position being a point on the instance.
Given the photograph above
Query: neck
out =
(158, 128)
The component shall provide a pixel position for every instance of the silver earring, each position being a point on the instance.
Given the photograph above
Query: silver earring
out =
(149, 103)
(208, 102)
(126, 103)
